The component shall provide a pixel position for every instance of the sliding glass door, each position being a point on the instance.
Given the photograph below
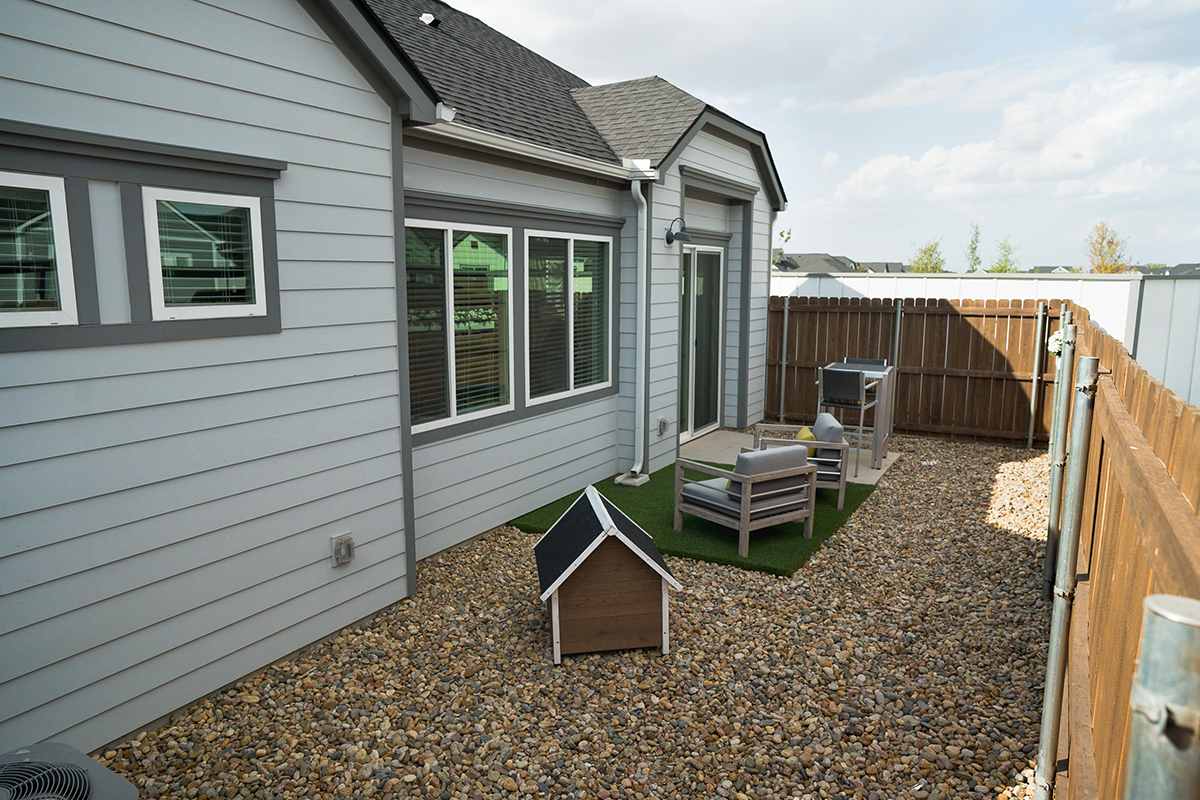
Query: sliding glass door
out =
(700, 342)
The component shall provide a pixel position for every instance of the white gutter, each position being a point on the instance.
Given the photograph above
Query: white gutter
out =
(448, 131)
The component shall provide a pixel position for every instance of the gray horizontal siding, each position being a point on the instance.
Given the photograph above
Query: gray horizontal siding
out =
(453, 173)
(469, 484)
(167, 507)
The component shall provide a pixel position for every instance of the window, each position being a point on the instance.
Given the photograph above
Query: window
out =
(37, 285)
(567, 307)
(205, 254)
(459, 274)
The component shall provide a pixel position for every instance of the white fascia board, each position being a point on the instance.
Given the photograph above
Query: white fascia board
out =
(666, 576)
(574, 566)
(474, 137)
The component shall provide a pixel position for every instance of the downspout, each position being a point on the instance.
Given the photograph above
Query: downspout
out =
(636, 475)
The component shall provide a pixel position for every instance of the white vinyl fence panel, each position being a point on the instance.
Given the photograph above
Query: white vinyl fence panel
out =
(1157, 318)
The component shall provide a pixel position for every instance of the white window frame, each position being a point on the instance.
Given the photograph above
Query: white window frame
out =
(68, 312)
(159, 310)
(448, 229)
(570, 238)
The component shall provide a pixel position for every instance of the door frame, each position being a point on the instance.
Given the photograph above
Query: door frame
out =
(687, 434)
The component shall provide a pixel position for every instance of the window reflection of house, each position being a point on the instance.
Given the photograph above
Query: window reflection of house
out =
(28, 278)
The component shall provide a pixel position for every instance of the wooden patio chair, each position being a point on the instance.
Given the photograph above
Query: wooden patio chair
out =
(827, 450)
(779, 483)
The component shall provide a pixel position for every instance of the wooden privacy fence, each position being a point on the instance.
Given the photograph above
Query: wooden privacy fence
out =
(963, 368)
(1140, 535)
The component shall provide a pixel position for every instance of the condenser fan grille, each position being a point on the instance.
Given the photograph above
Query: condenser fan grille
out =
(42, 780)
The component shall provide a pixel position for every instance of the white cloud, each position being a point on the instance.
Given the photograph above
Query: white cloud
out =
(708, 47)
(829, 161)
(1104, 134)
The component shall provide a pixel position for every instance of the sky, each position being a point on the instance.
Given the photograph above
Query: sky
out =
(896, 123)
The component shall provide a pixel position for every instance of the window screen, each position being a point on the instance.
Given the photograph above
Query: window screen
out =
(457, 283)
(28, 263)
(480, 320)
(549, 289)
(206, 253)
(568, 314)
(425, 282)
(590, 297)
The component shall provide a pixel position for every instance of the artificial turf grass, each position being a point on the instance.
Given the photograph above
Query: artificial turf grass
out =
(779, 550)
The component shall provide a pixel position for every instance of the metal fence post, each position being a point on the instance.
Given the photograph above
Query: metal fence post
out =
(1058, 457)
(895, 359)
(1064, 319)
(1037, 371)
(1064, 588)
(787, 301)
(1162, 760)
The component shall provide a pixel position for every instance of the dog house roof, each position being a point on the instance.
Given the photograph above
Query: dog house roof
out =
(580, 530)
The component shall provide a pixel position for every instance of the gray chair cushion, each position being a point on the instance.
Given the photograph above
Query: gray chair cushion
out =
(756, 462)
(828, 429)
(712, 494)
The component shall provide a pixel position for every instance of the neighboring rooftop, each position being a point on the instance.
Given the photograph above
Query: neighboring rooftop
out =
(823, 262)
(814, 262)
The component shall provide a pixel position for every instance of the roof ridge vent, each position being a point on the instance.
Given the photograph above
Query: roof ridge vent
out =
(430, 20)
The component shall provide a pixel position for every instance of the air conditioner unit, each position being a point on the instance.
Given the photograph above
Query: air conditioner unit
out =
(55, 771)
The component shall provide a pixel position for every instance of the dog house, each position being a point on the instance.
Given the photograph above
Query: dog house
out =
(604, 581)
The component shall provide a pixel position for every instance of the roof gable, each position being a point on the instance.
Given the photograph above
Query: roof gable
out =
(580, 530)
(492, 82)
(643, 118)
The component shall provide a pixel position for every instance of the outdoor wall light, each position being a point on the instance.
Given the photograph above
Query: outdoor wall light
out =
(680, 235)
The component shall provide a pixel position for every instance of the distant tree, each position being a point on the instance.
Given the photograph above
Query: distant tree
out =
(1006, 259)
(929, 258)
(1105, 250)
(973, 260)
(784, 238)
(1156, 266)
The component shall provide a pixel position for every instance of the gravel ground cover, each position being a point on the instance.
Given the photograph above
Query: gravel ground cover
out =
(906, 659)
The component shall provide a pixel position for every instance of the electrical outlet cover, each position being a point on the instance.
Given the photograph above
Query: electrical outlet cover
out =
(341, 548)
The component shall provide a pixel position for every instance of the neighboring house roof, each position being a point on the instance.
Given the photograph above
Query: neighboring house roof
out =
(1051, 270)
(619, 112)
(580, 530)
(492, 82)
(815, 262)
(884, 266)
(1183, 269)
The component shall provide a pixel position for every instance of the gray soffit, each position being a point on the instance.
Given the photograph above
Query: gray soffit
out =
(61, 140)
(717, 184)
(492, 82)
(415, 98)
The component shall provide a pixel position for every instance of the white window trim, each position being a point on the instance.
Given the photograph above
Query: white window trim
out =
(570, 238)
(448, 229)
(68, 314)
(158, 308)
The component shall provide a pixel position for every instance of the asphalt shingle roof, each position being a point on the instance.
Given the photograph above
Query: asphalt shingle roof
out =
(493, 83)
(643, 118)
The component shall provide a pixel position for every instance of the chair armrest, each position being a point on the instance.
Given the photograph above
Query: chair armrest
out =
(709, 469)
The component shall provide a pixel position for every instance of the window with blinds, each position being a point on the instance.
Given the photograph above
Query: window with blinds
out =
(568, 300)
(205, 254)
(36, 284)
(459, 275)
